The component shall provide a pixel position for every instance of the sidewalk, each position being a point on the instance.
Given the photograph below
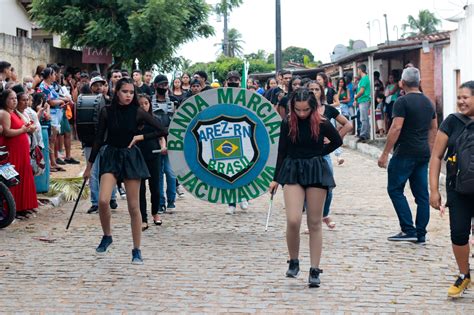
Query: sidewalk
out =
(204, 261)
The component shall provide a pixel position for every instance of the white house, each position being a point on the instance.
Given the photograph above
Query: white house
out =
(458, 65)
(14, 19)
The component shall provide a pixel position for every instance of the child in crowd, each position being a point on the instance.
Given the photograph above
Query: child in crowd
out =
(379, 114)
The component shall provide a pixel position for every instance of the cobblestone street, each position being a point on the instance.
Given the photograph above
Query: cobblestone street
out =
(204, 261)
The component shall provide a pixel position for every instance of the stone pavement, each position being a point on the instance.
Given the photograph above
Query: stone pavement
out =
(203, 261)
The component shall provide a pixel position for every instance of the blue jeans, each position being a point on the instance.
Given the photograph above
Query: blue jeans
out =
(327, 203)
(170, 181)
(415, 170)
(94, 180)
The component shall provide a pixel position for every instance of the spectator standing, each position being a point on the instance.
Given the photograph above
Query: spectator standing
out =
(202, 77)
(15, 138)
(362, 100)
(185, 82)
(323, 79)
(142, 87)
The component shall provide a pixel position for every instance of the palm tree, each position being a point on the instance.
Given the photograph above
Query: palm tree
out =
(426, 23)
(234, 48)
(223, 8)
(235, 41)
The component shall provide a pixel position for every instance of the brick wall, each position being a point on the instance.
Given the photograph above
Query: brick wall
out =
(427, 70)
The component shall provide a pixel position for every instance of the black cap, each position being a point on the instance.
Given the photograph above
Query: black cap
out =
(233, 74)
(159, 79)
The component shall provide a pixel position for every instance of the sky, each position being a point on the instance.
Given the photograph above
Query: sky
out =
(317, 25)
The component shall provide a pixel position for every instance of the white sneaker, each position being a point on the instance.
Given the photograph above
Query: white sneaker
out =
(244, 205)
(231, 210)
(180, 191)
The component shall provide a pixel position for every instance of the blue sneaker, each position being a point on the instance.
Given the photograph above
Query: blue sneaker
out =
(104, 244)
(171, 205)
(400, 237)
(137, 257)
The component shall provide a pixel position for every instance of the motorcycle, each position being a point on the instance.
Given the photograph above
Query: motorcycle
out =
(8, 177)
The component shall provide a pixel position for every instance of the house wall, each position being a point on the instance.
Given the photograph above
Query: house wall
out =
(458, 57)
(427, 65)
(25, 54)
(13, 16)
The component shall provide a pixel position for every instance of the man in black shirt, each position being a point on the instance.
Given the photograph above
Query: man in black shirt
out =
(411, 135)
(137, 81)
(202, 77)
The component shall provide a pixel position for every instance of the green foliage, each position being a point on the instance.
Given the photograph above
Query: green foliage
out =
(259, 55)
(223, 65)
(226, 6)
(69, 187)
(427, 23)
(150, 30)
(296, 54)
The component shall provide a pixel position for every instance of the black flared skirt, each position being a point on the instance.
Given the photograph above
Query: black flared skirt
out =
(124, 163)
(306, 172)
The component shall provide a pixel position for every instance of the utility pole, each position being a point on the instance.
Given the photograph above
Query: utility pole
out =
(226, 35)
(278, 36)
(386, 28)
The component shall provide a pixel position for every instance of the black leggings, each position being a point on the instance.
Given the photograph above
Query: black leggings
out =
(461, 210)
(154, 186)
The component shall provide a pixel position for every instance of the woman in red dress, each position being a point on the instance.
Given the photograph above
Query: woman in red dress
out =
(15, 138)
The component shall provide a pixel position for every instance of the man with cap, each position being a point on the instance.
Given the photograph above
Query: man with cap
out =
(195, 88)
(96, 86)
(233, 81)
(163, 106)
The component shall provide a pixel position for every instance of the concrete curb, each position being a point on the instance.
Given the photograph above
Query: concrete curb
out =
(375, 152)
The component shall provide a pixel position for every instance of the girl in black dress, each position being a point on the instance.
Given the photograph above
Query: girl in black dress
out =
(305, 175)
(121, 159)
(152, 160)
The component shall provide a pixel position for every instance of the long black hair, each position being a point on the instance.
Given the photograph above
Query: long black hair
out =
(118, 86)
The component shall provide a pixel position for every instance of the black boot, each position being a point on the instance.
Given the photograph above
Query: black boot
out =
(313, 280)
(293, 268)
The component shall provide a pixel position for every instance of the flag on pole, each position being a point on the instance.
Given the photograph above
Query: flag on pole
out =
(245, 72)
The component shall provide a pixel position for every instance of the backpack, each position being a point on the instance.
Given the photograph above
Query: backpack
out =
(464, 150)
(87, 117)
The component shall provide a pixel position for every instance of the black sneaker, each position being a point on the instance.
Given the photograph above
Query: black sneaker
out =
(313, 280)
(137, 257)
(171, 205)
(93, 209)
(60, 162)
(113, 204)
(400, 237)
(162, 209)
(293, 268)
(71, 161)
(421, 240)
(104, 244)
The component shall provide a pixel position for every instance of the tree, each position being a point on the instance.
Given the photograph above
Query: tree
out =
(223, 8)
(224, 64)
(150, 30)
(235, 41)
(259, 55)
(296, 54)
(426, 23)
